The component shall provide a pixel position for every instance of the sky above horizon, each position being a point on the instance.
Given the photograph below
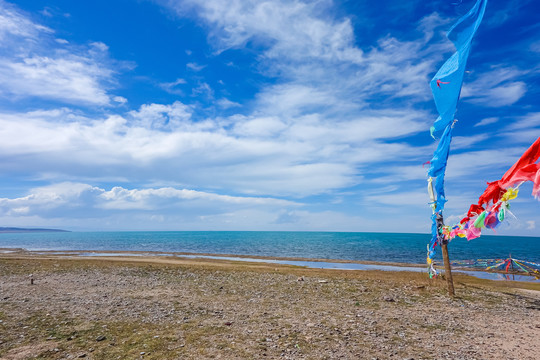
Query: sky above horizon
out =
(256, 115)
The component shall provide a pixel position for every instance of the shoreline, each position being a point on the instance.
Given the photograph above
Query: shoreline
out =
(182, 253)
(328, 264)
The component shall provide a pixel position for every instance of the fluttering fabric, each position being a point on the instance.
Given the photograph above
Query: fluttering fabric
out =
(509, 264)
(446, 87)
(494, 204)
(437, 170)
(525, 169)
(446, 84)
(438, 166)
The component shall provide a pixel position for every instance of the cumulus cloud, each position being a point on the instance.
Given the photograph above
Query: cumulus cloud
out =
(120, 99)
(43, 200)
(120, 198)
(299, 129)
(63, 198)
(252, 154)
(161, 117)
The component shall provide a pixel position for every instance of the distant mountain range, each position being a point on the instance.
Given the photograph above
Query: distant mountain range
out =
(25, 230)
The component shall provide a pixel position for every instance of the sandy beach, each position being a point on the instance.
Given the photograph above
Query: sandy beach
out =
(171, 308)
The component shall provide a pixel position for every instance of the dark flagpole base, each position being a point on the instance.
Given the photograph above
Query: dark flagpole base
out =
(447, 269)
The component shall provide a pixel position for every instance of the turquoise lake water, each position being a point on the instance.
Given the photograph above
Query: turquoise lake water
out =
(386, 247)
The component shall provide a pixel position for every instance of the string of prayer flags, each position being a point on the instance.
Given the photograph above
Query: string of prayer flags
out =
(494, 204)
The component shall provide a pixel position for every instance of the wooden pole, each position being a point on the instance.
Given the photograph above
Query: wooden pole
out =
(447, 269)
(446, 258)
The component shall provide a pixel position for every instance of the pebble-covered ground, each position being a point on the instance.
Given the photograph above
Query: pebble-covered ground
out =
(190, 309)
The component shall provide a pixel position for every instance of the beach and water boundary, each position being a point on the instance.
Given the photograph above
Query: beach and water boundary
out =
(113, 306)
(105, 300)
(329, 250)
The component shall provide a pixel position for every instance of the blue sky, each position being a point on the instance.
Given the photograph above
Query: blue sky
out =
(255, 115)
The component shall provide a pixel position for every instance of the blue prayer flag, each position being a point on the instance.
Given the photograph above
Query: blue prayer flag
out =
(446, 84)
(446, 88)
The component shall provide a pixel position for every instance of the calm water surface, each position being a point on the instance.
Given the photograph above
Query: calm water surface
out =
(387, 247)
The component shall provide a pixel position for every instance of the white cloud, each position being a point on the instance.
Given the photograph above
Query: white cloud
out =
(194, 66)
(332, 115)
(523, 137)
(39, 65)
(529, 121)
(263, 126)
(464, 142)
(523, 130)
(172, 87)
(305, 44)
(203, 89)
(495, 88)
(120, 99)
(417, 201)
(15, 24)
(227, 104)
(42, 200)
(326, 79)
(161, 117)
(405, 198)
(296, 99)
(294, 27)
(312, 132)
(250, 154)
(99, 46)
(71, 79)
(480, 165)
(487, 121)
(63, 199)
(429, 23)
(148, 199)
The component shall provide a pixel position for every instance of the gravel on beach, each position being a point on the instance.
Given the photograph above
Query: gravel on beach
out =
(150, 308)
